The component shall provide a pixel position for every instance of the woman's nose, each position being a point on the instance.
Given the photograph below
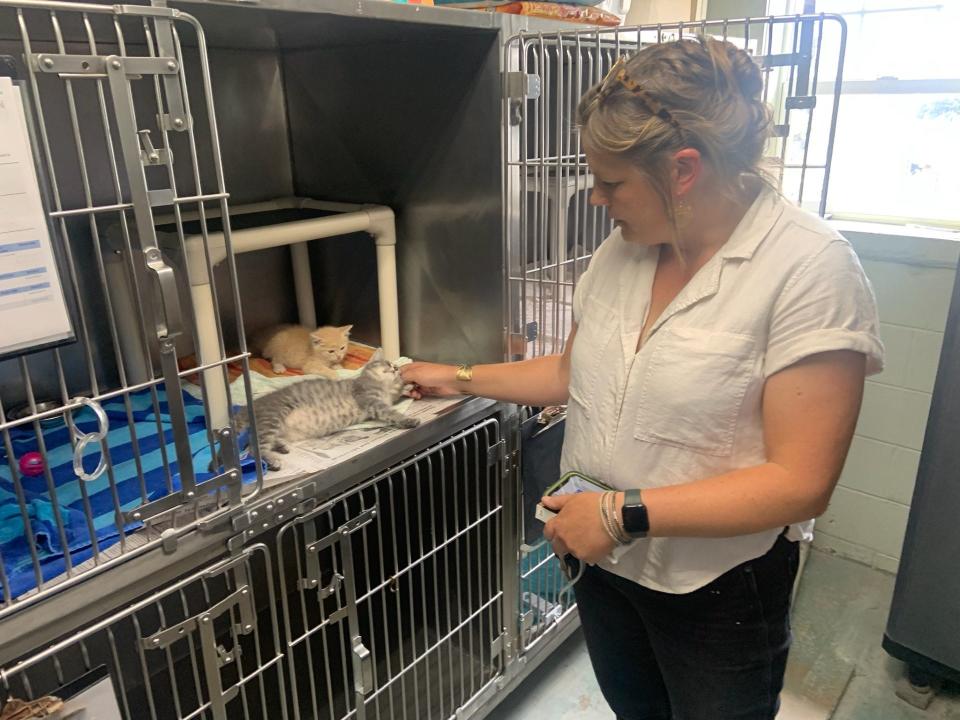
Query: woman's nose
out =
(597, 198)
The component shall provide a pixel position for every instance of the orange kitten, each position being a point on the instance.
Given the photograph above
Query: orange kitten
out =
(315, 353)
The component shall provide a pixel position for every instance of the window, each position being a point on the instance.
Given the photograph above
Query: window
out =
(897, 148)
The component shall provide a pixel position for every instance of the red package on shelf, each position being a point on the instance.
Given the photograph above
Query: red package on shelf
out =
(559, 11)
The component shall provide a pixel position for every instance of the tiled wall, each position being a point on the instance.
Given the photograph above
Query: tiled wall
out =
(913, 280)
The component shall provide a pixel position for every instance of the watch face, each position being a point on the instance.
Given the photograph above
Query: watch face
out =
(635, 520)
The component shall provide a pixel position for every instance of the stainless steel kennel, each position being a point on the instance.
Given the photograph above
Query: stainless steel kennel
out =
(408, 580)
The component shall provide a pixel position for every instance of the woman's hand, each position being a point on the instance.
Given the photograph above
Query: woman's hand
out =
(578, 528)
(430, 379)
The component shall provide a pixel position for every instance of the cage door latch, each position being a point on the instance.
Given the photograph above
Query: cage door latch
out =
(518, 87)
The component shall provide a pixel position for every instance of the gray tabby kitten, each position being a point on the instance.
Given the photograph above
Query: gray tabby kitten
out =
(318, 406)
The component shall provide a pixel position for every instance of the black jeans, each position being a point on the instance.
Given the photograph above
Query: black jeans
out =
(717, 653)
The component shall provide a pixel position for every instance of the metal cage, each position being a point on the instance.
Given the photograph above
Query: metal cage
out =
(208, 646)
(551, 229)
(114, 94)
(392, 594)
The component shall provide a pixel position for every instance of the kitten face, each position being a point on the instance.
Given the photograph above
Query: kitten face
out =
(330, 343)
(386, 376)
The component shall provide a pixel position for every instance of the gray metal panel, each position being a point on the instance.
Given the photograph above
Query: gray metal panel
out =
(924, 614)
(414, 126)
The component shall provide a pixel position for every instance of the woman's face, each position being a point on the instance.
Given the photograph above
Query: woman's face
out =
(631, 200)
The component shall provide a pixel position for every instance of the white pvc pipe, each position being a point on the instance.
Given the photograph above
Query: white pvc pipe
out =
(378, 221)
(383, 229)
(303, 284)
(214, 385)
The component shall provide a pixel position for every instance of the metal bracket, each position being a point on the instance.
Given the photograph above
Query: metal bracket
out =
(98, 66)
(151, 510)
(526, 624)
(362, 668)
(519, 86)
(496, 453)
(177, 119)
(149, 155)
(801, 102)
(271, 513)
(215, 656)
(496, 647)
(522, 86)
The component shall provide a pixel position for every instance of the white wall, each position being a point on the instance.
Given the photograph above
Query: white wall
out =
(913, 280)
(648, 12)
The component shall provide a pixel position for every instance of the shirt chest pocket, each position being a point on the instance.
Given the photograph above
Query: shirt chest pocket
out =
(693, 390)
(595, 331)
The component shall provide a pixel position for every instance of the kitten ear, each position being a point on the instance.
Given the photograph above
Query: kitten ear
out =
(377, 355)
(346, 328)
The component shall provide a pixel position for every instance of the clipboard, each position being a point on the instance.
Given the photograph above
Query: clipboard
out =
(33, 302)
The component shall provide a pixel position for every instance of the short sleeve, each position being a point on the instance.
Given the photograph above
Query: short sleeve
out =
(826, 305)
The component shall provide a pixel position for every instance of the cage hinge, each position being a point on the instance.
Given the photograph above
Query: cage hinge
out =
(270, 513)
(522, 86)
(496, 647)
(518, 87)
(526, 624)
(496, 453)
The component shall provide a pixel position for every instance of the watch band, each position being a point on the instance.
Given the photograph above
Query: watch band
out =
(633, 514)
(465, 373)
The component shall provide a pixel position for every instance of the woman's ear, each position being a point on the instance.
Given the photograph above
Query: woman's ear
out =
(686, 171)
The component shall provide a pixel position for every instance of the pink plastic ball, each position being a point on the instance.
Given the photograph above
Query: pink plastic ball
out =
(31, 464)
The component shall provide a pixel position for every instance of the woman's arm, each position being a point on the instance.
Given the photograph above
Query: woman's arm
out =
(540, 381)
(810, 411)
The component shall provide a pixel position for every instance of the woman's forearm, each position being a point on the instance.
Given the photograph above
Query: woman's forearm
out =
(736, 503)
(539, 382)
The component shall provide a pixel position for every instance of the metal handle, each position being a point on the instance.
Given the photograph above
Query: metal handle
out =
(172, 319)
(362, 668)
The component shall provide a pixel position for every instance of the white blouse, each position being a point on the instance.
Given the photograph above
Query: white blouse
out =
(688, 404)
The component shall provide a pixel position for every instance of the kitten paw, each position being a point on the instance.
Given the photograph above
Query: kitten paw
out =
(408, 422)
(281, 448)
(279, 368)
(272, 461)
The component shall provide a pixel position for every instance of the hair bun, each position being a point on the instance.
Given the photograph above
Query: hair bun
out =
(739, 69)
(746, 72)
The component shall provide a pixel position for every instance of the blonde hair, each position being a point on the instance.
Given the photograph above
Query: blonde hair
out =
(704, 94)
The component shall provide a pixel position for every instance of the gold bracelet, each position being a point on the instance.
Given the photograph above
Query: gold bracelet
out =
(465, 373)
(618, 522)
(604, 520)
(618, 532)
(609, 524)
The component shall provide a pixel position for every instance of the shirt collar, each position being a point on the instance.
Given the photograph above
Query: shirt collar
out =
(754, 226)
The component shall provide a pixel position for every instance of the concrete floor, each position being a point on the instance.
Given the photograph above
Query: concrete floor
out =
(837, 669)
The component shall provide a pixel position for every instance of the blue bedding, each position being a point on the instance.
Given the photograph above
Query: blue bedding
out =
(41, 507)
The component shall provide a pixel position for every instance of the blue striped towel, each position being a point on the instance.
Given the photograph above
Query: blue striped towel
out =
(41, 507)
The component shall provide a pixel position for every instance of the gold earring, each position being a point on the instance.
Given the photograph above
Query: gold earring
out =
(682, 212)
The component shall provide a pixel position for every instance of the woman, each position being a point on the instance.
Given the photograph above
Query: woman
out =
(716, 364)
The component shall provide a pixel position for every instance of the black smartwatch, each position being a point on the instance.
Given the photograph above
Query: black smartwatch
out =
(634, 513)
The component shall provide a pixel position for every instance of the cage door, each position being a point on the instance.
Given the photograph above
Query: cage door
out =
(207, 646)
(550, 228)
(119, 105)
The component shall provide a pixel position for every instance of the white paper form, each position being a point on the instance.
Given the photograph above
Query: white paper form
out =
(32, 307)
